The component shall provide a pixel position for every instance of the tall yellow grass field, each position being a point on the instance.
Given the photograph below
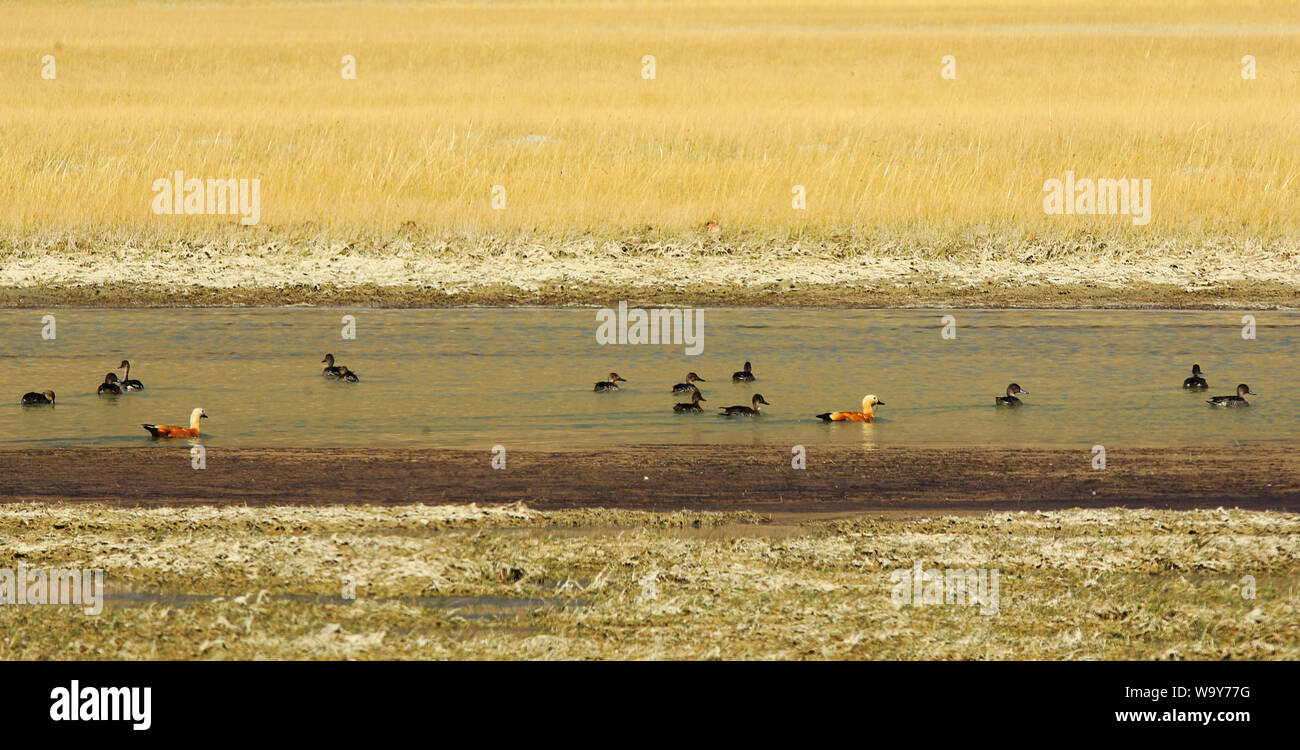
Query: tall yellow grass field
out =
(748, 100)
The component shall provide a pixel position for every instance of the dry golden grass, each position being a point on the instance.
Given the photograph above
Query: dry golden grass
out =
(547, 100)
(266, 583)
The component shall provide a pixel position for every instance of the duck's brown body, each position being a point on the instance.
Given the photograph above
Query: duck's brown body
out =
(172, 431)
(849, 416)
(868, 413)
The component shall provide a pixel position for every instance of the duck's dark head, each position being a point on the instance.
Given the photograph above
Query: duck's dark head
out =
(758, 399)
(1015, 390)
(697, 397)
(748, 368)
(329, 360)
(693, 378)
(49, 395)
(1196, 370)
(614, 378)
(124, 364)
(1243, 389)
(110, 377)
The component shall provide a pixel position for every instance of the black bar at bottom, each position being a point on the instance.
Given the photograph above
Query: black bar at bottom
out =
(299, 701)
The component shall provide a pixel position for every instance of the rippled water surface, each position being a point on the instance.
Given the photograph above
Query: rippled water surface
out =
(474, 378)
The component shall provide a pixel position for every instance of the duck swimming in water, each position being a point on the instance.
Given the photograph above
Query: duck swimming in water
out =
(1236, 400)
(170, 431)
(347, 375)
(110, 385)
(330, 370)
(744, 376)
(689, 385)
(34, 398)
(693, 406)
(1010, 399)
(1196, 381)
(611, 384)
(868, 413)
(744, 411)
(127, 383)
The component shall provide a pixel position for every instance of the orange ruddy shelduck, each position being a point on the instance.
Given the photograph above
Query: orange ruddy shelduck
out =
(868, 413)
(170, 431)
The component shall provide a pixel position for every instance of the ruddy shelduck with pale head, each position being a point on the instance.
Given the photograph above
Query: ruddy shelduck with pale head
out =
(868, 413)
(171, 431)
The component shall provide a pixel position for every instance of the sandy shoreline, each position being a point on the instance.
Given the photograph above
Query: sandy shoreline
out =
(837, 479)
(690, 271)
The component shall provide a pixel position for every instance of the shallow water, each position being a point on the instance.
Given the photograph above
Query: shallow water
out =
(522, 378)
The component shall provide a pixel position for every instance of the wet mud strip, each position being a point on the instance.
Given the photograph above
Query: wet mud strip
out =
(838, 479)
(919, 292)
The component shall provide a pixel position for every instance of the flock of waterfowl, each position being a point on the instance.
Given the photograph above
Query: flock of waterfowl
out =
(1196, 382)
(746, 375)
(114, 387)
(111, 385)
(869, 401)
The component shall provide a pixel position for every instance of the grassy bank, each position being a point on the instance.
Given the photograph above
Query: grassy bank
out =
(506, 581)
(748, 100)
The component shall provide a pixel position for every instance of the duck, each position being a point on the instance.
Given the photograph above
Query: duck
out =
(347, 375)
(1196, 381)
(330, 370)
(868, 413)
(110, 385)
(744, 376)
(171, 431)
(689, 385)
(33, 398)
(611, 384)
(744, 411)
(693, 406)
(1010, 399)
(1236, 400)
(127, 383)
